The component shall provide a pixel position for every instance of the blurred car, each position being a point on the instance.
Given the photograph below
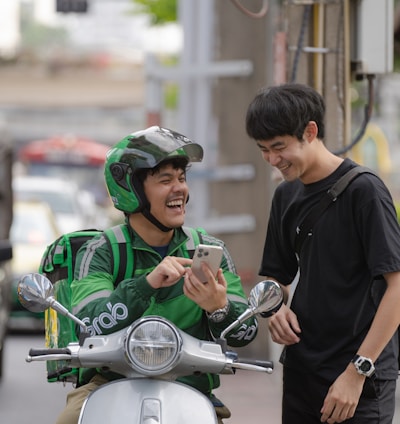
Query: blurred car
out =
(6, 216)
(34, 227)
(74, 209)
(5, 294)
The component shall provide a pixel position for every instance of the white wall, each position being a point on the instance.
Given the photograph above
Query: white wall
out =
(9, 24)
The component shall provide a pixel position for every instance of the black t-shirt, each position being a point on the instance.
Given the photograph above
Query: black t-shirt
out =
(355, 241)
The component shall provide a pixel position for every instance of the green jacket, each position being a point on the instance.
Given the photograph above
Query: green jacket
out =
(106, 306)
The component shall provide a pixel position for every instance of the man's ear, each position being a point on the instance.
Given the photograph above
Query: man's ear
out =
(311, 131)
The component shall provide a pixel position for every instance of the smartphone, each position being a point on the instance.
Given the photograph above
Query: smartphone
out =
(212, 255)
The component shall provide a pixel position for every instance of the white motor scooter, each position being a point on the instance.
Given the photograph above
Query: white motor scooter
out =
(151, 353)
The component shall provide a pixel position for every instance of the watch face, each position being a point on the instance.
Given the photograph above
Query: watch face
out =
(218, 317)
(365, 366)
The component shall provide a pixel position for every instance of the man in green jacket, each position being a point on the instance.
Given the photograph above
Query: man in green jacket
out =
(145, 175)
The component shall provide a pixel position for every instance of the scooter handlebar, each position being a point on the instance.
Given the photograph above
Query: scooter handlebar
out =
(258, 362)
(48, 355)
(254, 365)
(49, 351)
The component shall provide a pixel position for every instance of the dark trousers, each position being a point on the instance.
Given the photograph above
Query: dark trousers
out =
(304, 394)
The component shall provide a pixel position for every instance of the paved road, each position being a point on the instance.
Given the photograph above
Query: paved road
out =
(252, 397)
(25, 395)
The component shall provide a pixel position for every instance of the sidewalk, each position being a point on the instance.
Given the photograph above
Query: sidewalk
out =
(252, 396)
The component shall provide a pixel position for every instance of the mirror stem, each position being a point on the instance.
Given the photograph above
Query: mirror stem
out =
(245, 315)
(64, 311)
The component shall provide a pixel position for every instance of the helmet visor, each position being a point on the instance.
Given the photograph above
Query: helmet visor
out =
(146, 149)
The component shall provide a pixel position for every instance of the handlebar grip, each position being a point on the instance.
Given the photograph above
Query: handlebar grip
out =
(258, 362)
(48, 351)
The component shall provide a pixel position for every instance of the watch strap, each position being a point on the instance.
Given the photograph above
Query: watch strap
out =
(219, 314)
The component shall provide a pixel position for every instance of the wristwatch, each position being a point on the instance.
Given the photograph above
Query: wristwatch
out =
(364, 366)
(219, 314)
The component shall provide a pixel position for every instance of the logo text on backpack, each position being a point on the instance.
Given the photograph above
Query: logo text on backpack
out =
(106, 320)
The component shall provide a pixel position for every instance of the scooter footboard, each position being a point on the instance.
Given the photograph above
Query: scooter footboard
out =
(147, 401)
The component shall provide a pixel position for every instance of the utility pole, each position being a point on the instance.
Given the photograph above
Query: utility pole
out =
(241, 37)
(318, 55)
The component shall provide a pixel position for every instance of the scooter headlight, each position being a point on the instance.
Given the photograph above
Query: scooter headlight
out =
(153, 346)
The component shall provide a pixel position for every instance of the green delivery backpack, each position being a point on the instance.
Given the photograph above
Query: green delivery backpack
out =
(58, 263)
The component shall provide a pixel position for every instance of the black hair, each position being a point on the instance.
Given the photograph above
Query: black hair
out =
(285, 110)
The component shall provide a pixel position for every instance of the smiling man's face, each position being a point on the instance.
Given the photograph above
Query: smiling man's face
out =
(167, 192)
(287, 154)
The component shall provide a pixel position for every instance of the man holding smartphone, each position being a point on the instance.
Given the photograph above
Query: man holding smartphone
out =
(145, 175)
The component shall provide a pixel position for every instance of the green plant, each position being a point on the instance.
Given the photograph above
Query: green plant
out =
(160, 12)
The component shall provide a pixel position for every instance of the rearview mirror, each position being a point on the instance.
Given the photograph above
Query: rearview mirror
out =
(34, 291)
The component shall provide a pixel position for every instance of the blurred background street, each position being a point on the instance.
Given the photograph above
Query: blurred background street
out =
(76, 76)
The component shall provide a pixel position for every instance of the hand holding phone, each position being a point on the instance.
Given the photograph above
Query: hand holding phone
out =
(211, 255)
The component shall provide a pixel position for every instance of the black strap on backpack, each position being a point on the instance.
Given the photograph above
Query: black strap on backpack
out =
(328, 198)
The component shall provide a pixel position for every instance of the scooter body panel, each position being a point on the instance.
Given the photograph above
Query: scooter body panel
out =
(147, 401)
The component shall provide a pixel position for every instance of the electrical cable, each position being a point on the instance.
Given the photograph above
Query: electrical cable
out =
(339, 66)
(306, 18)
(367, 116)
(262, 12)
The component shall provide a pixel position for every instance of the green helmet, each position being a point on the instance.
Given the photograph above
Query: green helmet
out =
(143, 150)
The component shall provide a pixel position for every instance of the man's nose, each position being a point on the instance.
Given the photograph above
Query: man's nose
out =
(273, 158)
(179, 185)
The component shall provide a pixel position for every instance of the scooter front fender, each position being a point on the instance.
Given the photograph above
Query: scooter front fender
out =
(147, 401)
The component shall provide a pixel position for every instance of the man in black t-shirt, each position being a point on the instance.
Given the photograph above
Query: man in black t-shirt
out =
(339, 330)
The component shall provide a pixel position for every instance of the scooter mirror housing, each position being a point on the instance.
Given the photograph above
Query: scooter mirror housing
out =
(34, 290)
(266, 298)
(36, 293)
